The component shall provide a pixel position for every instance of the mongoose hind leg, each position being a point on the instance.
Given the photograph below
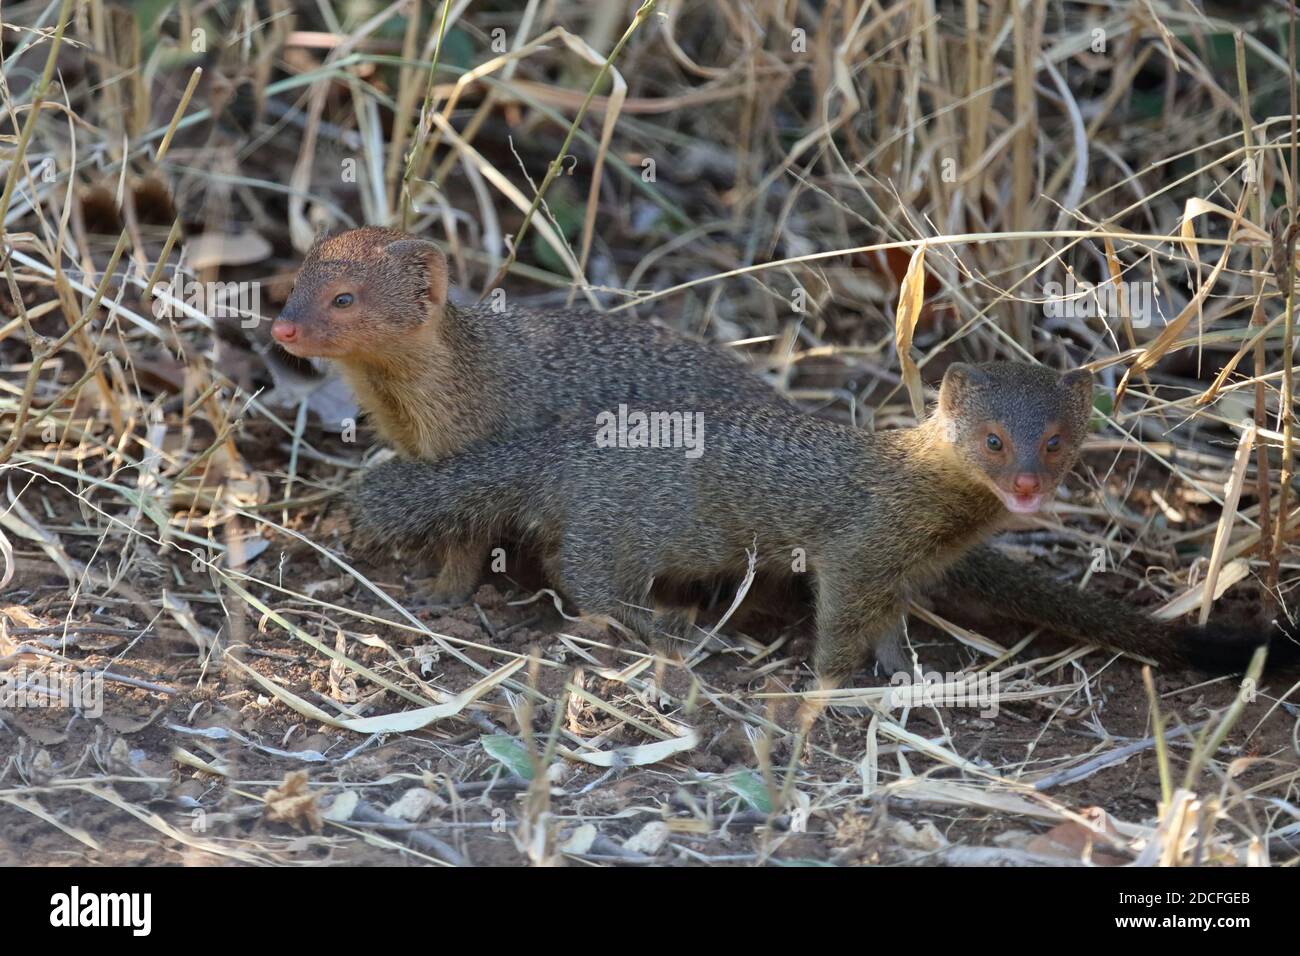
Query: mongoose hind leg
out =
(458, 577)
(675, 634)
(603, 598)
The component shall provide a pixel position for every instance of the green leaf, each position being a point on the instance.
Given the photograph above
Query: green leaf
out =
(1104, 403)
(148, 14)
(457, 49)
(1147, 104)
(509, 753)
(568, 215)
(751, 789)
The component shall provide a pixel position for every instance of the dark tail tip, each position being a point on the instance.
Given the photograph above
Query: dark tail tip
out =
(1221, 649)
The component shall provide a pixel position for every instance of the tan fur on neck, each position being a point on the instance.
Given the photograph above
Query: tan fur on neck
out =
(962, 506)
(414, 395)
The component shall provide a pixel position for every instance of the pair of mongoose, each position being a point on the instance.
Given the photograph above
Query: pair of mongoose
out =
(497, 415)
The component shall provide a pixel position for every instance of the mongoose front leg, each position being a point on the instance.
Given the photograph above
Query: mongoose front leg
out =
(587, 568)
(852, 618)
(459, 575)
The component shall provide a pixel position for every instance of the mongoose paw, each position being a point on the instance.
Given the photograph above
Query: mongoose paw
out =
(453, 586)
(450, 599)
(893, 656)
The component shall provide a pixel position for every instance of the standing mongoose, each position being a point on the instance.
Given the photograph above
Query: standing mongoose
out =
(435, 377)
(877, 517)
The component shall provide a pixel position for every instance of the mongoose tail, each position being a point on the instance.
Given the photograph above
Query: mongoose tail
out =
(1022, 592)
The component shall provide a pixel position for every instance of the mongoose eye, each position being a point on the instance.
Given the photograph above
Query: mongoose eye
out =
(1054, 443)
(994, 443)
(343, 300)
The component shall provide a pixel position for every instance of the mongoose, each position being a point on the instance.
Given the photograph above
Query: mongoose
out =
(435, 377)
(877, 517)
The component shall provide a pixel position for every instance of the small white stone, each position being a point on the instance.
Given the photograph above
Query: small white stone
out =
(649, 840)
(412, 805)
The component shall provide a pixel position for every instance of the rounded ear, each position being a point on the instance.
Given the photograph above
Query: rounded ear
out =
(961, 373)
(435, 264)
(1078, 386)
(1078, 382)
(318, 240)
(959, 377)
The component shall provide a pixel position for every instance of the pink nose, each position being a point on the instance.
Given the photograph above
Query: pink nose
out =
(1026, 484)
(283, 330)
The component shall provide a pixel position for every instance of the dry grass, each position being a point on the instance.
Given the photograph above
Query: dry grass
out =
(831, 182)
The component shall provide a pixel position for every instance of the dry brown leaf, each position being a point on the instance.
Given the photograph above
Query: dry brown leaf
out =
(911, 297)
(131, 725)
(1074, 841)
(45, 736)
(343, 686)
(294, 803)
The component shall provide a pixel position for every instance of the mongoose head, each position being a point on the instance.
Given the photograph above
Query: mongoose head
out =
(1017, 426)
(363, 295)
